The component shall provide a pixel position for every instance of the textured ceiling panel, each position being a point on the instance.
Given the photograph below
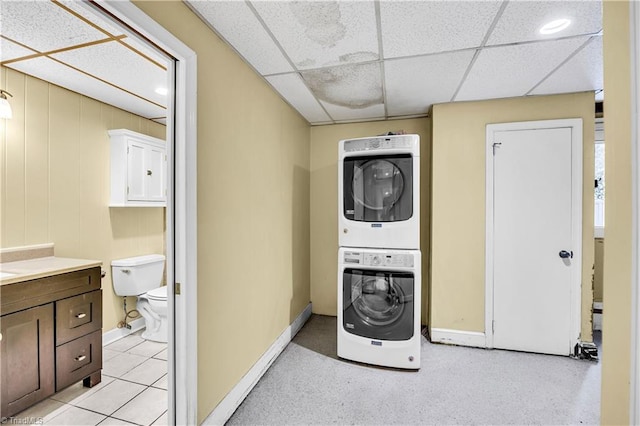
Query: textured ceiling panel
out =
(522, 20)
(318, 34)
(413, 84)
(354, 87)
(147, 51)
(418, 27)
(344, 114)
(49, 70)
(10, 50)
(293, 89)
(44, 26)
(236, 22)
(514, 70)
(581, 73)
(88, 12)
(121, 66)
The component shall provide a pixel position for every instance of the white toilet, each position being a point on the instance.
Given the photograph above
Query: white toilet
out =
(142, 276)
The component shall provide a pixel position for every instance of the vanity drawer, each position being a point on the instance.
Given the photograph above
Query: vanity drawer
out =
(77, 316)
(27, 294)
(78, 359)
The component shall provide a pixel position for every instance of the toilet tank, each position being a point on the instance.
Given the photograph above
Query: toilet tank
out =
(137, 275)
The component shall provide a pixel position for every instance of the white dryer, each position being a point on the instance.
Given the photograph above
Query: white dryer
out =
(379, 192)
(379, 294)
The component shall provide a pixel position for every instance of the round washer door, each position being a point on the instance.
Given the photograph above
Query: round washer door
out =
(377, 299)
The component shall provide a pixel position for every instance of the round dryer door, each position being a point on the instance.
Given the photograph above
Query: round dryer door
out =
(378, 189)
(378, 185)
(377, 299)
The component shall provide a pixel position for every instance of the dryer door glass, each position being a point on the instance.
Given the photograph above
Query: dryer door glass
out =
(378, 304)
(378, 188)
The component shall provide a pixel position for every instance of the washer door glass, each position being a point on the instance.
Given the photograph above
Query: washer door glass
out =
(377, 299)
(378, 304)
(378, 189)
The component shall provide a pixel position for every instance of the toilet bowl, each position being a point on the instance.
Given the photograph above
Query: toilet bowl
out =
(141, 276)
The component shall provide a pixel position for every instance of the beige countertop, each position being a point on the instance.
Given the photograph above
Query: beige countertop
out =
(23, 270)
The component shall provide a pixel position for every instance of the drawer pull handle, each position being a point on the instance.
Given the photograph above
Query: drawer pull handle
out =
(80, 358)
(81, 315)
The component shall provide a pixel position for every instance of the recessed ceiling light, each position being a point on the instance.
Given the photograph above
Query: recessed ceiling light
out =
(162, 91)
(555, 26)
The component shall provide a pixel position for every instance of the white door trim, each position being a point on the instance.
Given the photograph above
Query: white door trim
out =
(181, 212)
(634, 33)
(576, 232)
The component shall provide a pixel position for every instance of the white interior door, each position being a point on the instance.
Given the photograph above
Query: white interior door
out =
(534, 252)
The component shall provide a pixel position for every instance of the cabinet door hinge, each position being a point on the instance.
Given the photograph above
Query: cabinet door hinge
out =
(177, 288)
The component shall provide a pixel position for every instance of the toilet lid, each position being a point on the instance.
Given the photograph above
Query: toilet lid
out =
(159, 293)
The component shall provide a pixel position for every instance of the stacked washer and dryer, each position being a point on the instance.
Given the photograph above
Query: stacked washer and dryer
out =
(379, 260)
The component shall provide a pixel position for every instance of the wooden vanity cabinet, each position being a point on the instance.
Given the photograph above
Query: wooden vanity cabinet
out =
(51, 337)
(27, 373)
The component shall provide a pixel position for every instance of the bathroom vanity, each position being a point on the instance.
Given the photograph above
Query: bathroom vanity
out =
(51, 328)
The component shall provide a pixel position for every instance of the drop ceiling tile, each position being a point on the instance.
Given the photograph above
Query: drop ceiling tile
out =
(293, 89)
(521, 20)
(348, 91)
(238, 25)
(509, 71)
(120, 66)
(142, 48)
(323, 33)
(61, 75)
(346, 114)
(419, 27)
(581, 73)
(91, 14)
(413, 84)
(56, 28)
(10, 50)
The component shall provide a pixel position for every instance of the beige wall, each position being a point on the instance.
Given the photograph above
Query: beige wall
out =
(253, 209)
(458, 198)
(54, 184)
(616, 325)
(324, 202)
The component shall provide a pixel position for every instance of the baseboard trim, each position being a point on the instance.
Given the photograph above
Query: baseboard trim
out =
(234, 398)
(456, 337)
(118, 333)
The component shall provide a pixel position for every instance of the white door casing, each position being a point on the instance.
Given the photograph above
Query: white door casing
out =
(533, 211)
(181, 233)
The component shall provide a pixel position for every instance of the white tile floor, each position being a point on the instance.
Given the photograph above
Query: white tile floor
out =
(133, 390)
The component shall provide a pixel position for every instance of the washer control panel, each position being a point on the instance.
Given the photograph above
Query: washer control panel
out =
(378, 259)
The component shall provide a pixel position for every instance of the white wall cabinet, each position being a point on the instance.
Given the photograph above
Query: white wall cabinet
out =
(138, 170)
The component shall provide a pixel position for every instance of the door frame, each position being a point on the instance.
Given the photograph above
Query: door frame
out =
(181, 211)
(576, 232)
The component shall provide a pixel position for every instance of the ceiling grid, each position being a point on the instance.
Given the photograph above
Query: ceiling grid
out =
(333, 61)
(421, 48)
(81, 50)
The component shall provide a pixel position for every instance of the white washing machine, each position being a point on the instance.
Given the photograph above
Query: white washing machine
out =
(379, 192)
(379, 294)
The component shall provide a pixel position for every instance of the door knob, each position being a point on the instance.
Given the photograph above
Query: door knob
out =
(565, 254)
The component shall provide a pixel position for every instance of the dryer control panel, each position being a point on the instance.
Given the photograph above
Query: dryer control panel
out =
(382, 142)
(378, 259)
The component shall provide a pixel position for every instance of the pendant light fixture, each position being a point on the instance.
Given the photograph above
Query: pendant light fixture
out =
(5, 107)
